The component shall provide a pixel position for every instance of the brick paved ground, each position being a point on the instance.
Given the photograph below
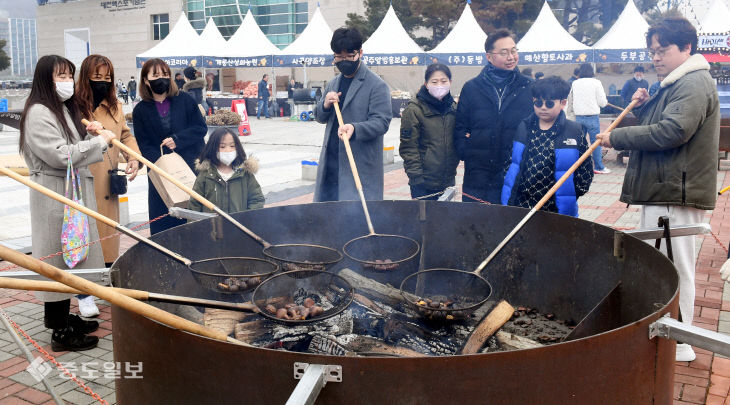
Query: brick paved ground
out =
(703, 381)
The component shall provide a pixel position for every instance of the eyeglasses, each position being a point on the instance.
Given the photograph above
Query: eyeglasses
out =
(350, 57)
(540, 102)
(506, 52)
(659, 52)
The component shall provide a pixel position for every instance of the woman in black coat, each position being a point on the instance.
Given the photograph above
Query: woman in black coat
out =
(169, 119)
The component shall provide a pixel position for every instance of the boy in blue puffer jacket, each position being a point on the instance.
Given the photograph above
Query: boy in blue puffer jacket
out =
(546, 145)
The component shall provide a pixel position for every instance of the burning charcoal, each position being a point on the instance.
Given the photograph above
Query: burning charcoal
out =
(290, 266)
(550, 316)
(271, 309)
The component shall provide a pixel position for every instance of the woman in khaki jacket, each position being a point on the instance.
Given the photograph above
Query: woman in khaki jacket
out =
(98, 102)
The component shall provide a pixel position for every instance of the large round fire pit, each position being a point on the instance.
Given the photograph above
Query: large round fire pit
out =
(558, 264)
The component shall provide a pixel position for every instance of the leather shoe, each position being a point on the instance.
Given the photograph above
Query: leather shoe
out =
(70, 340)
(81, 325)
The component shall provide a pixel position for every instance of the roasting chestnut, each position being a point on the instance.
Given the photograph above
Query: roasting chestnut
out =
(316, 311)
(281, 313)
(308, 303)
(271, 309)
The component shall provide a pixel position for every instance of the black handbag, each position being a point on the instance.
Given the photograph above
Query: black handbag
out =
(117, 182)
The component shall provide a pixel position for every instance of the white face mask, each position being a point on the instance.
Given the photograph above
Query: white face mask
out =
(64, 90)
(438, 91)
(227, 157)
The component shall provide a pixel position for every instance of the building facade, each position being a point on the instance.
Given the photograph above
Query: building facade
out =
(23, 46)
(280, 20)
(121, 29)
(118, 29)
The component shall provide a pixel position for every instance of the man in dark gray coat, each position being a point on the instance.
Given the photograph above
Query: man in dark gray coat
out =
(672, 170)
(364, 100)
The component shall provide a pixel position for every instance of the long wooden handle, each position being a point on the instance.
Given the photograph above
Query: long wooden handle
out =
(58, 197)
(185, 188)
(108, 294)
(554, 188)
(52, 286)
(353, 167)
(486, 328)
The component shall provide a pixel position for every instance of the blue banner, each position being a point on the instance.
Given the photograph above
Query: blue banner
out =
(457, 59)
(403, 59)
(622, 55)
(174, 61)
(237, 62)
(555, 57)
(303, 60)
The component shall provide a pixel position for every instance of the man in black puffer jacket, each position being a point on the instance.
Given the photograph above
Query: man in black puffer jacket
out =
(490, 108)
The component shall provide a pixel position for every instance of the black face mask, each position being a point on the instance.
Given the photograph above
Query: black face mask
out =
(99, 89)
(348, 67)
(160, 86)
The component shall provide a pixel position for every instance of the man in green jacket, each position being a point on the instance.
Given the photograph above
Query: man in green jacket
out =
(672, 169)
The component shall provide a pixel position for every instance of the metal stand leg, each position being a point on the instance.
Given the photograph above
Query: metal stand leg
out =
(669, 328)
(313, 378)
(31, 360)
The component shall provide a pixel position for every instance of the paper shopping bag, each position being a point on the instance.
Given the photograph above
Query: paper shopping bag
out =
(175, 165)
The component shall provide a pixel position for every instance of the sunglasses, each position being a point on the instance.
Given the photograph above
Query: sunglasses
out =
(540, 102)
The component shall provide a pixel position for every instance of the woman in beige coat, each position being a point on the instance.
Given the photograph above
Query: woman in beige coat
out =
(97, 101)
(50, 131)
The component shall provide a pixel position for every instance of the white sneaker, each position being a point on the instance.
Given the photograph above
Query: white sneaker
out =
(87, 307)
(685, 352)
(605, 170)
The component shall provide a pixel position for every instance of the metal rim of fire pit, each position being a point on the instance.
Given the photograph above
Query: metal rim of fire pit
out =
(373, 265)
(211, 280)
(287, 277)
(322, 262)
(408, 295)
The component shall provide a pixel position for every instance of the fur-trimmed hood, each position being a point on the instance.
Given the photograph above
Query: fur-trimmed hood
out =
(251, 165)
(693, 63)
(198, 83)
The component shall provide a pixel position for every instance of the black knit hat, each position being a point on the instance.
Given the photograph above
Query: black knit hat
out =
(639, 69)
(189, 72)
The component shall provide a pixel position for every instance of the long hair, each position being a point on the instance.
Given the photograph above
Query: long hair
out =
(155, 65)
(85, 95)
(210, 150)
(43, 92)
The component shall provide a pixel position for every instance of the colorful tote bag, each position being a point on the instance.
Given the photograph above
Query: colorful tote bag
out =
(75, 230)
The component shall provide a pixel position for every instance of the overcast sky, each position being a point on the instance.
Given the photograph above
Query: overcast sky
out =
(19, 8)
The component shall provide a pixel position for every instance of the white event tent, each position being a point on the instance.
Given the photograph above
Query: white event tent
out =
(212, 42)
(312, 46)
(247, 47)
(547, 43)
(390, 44)
(625, 41)
(180, 48)
(464, 46)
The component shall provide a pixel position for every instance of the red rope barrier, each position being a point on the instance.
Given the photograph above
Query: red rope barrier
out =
(53, 360)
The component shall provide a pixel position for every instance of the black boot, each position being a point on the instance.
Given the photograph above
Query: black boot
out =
(81, 325)
(70, 340)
